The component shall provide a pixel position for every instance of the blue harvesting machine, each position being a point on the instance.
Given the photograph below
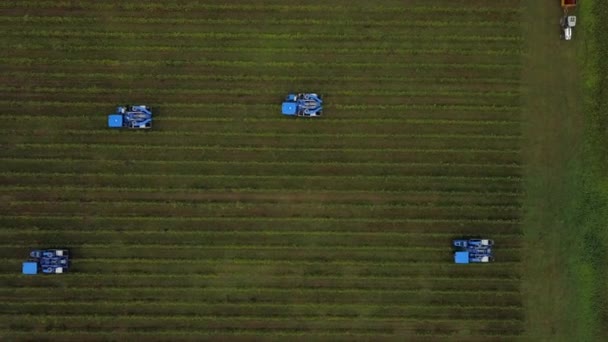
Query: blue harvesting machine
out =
(303, 104)
(473, 251)
(48, 261)
(131, 116)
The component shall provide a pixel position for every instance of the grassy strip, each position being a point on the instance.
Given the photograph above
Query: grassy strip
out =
(478, 50)
(344, 59)
(441, 28)
(333, 242)
(316, 77)
(270, 281)
(279, 135)
(230, 204)
(302, 142)
(87, 193)
(68, 45)
(293, 310)
(383, 168)
(124, 279)
(137, 153)
(336, 324)
(449, 8)
(467, 155)
(240, 183)
(245, 64)
(391, 197)
(285, 241)
(343, 21)
(412, 335)
(55, 48)
(398, 80)
(567, 201)
(589, 212)
(470, 36)
(262, 295)
(457, 227)
(259, 208)
(211, 167)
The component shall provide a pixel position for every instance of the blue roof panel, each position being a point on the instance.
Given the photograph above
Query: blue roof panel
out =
(30, 267)
(289, 108)
(114, 120)
(461, 257)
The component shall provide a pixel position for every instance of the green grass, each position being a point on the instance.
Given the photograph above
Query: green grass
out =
(565, 228)
(592, 202)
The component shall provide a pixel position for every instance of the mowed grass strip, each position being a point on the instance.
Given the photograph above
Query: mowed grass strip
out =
(35, 76)
(250, 239)
(423, 169)
(143, 323)
(191, 281)
(415, 335)
(87, 194)
(481, 53)
(272, 209)
(272, 282)
(454, 227)
(270, 310)
(222, 66)
(88, 20)
(175, 94)
(264, 154)
(260, 19)
(304, 141)
(268, 295)
(426, 57)
(111, 65)
(476, 5)
(296, 182)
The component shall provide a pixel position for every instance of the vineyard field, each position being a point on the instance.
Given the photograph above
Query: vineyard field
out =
(228, 221)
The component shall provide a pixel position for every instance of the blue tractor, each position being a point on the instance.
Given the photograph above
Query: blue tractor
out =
(47, 261)
(303, 104)
(130, 116)
(473, 243)
(473, 251)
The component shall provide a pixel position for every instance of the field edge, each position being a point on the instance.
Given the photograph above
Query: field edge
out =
(566, 201)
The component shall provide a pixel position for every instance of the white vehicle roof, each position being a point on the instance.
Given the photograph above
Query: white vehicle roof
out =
(568, 33)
